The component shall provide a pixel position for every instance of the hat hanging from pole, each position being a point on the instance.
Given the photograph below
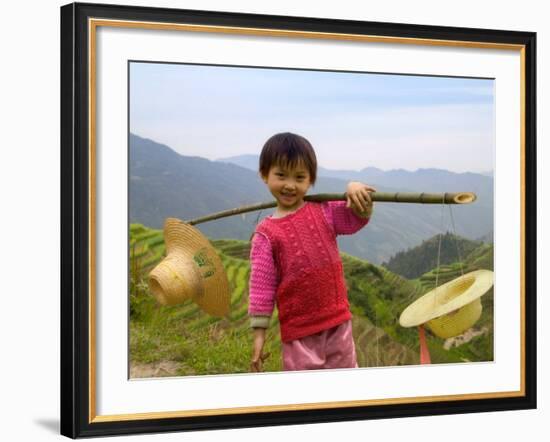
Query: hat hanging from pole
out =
(191, 269)
(452, 308)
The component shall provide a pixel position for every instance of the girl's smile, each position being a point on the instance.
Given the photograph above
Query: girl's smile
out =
(288, 186)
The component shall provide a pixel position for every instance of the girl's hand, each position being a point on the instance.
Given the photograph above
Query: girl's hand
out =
(358, 198)
(258, 356)
(257, 365)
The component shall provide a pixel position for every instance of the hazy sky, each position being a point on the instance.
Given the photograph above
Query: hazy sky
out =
(353, 120)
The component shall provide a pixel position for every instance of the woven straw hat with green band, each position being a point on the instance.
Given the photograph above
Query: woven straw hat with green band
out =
(192, 270)
(452, 308)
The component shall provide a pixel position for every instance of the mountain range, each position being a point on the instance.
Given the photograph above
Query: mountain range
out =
(164, 183)
(439, 180)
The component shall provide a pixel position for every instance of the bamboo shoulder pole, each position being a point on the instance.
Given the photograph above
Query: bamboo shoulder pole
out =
(388, 197)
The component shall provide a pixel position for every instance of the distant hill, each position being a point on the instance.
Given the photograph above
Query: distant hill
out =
(488, 237)
(250, 162)
(416, 261)
(164, 184)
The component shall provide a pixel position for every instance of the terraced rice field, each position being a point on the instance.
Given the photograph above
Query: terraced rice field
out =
(182, 340)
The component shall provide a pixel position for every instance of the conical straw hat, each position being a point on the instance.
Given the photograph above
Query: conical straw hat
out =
(451, 308)
(192, 269)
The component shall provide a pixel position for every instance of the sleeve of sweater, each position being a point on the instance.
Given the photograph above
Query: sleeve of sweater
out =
(263, 282)
(342, 218)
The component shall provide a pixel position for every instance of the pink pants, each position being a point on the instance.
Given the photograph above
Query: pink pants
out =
(332, 348)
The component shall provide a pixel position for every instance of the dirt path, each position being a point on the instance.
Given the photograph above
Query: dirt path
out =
(154, 369)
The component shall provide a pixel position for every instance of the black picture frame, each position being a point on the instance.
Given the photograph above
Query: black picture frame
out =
(77, 403)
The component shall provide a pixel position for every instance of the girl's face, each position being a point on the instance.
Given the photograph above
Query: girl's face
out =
(288, 186)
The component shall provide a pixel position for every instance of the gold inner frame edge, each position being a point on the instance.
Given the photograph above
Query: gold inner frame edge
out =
(92, 28)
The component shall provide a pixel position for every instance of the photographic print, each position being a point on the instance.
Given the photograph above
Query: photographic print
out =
(258, 206)
(196, 133)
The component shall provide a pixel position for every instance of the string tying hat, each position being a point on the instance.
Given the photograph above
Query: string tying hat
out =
(452, 308)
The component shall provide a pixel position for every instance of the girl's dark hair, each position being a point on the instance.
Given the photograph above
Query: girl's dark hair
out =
(288, 150)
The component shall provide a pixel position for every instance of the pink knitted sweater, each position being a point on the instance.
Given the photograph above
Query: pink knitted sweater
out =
(302, 243)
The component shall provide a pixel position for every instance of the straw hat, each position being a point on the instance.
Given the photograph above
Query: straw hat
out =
(192, 269)
(452, 308)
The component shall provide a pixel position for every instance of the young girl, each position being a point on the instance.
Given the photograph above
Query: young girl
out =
(295, 261)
